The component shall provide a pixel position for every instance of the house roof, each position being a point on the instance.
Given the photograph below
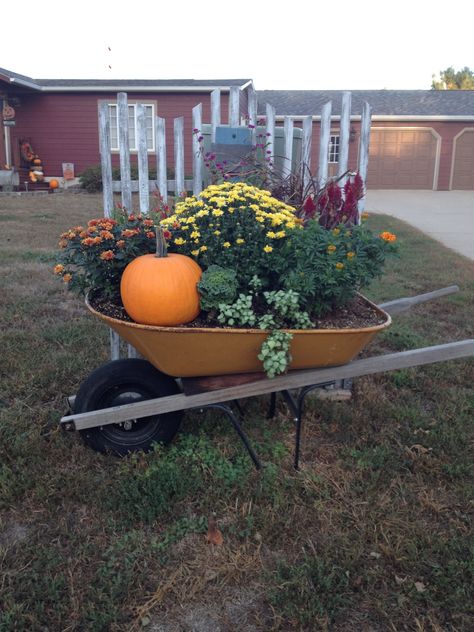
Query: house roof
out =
(93, 85)
(396, 104)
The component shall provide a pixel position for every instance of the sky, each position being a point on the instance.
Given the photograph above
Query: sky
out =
(343, 45)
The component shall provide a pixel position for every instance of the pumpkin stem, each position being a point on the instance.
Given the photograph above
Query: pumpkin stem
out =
(161, 249)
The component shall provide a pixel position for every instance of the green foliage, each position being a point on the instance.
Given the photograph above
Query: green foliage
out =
(217, 285)
(327, 267)
(451, 79)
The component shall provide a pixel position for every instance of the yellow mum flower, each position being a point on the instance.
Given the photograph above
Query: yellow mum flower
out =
(339, 266)
(217, 232)
(331, 249)
(203, 248)
(240, 241)
(195, 252)
(217, 212)
(179, 241)
(226, 244)
(195, 234)
(267, 248)
(336, 231)
(271, 234)
(350, 254)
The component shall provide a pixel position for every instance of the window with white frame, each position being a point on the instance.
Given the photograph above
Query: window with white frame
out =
(334, 148)
(132, 126)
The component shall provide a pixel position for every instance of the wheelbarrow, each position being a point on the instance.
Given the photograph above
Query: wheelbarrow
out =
(129, 404)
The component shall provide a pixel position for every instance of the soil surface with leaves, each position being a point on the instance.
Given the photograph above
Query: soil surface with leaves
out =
(374, 533)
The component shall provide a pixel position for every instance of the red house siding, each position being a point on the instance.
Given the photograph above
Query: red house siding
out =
(63, 127)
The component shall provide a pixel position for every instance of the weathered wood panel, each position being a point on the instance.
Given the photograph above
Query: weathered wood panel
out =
(160, 136)
(179, 155)
(197, 156)
(306, 150)
(288, 126)
(124, 147)
(234, 106)
(105, 159)
(344, 133)
(324, 144)
(270, 128)
(143, 189)
(364, 147)
(215, 113)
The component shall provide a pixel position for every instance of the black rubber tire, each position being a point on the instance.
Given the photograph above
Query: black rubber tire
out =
(123, 382)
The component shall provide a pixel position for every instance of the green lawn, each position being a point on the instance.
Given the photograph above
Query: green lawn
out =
(372, 534)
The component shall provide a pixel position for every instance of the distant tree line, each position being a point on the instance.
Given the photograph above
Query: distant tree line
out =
(451, 79)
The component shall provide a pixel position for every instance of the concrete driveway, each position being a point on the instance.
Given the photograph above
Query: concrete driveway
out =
(447, 216)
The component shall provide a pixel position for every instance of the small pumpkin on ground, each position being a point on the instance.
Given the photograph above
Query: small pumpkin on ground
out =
(53, 184)
(161, 289)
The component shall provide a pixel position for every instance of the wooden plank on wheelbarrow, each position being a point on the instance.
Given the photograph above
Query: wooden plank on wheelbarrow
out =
(294, 379)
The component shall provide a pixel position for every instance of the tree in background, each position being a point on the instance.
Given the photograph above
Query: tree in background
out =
(451, 79)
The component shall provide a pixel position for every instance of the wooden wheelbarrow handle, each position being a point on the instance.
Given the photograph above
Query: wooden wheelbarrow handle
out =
(403, 304)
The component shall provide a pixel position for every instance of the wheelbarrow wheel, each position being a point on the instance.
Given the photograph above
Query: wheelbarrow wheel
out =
(125, 382)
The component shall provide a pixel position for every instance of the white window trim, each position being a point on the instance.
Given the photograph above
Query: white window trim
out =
(134, 150)
(337, 145)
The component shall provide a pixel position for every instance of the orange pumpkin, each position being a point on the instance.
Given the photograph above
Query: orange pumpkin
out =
(53, 184)
(161, 289)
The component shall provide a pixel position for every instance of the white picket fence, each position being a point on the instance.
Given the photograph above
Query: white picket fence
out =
(164, 186)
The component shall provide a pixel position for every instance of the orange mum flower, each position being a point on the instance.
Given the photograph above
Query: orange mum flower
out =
(148, 222)
(386, 236)
(107, 255)
(67, 277)
(88, 241)
(150, 234)
(128, 232)
(106, 234)
(331, 249)
(59, 268)
(120, 243)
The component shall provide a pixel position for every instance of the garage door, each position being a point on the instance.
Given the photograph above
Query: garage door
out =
(401, 159)
(463, 168)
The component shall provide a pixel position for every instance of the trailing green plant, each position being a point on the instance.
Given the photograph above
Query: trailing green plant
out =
(275, 352)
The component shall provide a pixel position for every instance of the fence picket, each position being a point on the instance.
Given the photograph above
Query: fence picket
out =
(179, 155)
(105, 159)
(344, 133)
(288, 126)
(364, 148)
(160, 135)
(124, 148)
(253, 109)
(234, 106)
(306, 150)
(270, 129)
(197, 156)
(215, 112)
(143, 188)
(324, 144)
